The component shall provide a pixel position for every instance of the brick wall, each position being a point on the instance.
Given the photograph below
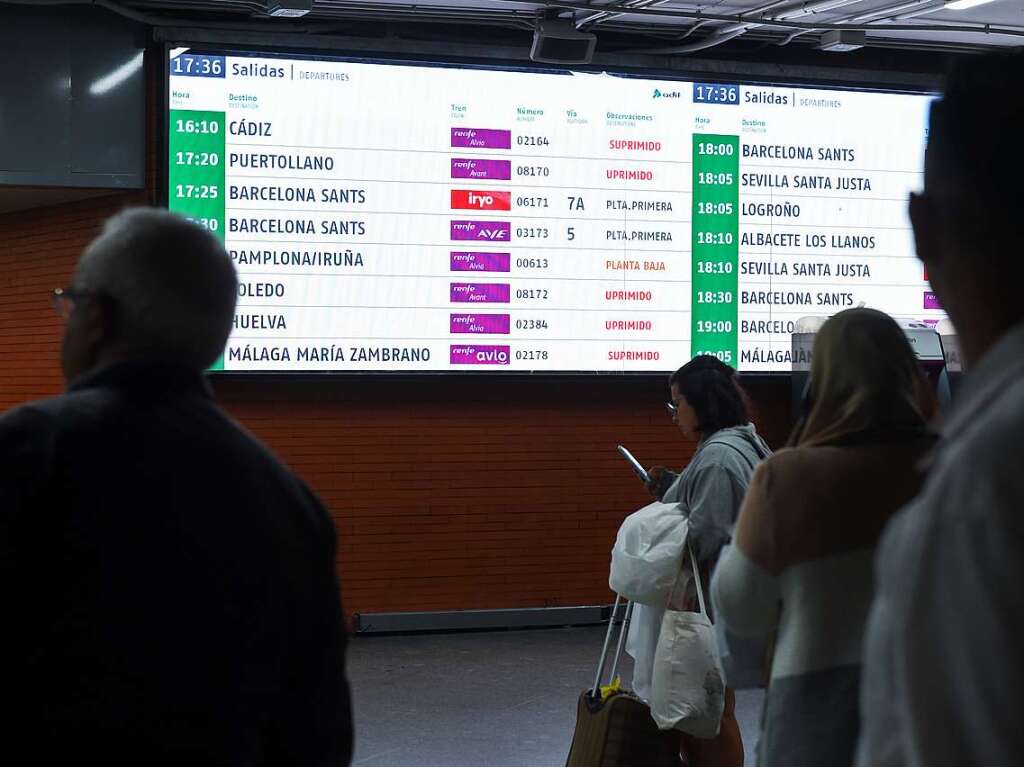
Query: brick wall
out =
(447, 492)
(38, 250)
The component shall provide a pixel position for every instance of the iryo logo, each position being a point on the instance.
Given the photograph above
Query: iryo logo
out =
(478, 199)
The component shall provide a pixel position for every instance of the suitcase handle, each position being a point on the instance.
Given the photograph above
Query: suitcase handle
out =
(596, 691)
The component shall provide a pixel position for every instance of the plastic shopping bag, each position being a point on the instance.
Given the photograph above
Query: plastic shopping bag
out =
(641, 644)
(687, 685)
(648, 554)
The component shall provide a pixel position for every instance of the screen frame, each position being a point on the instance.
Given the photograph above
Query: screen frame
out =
(806, 78)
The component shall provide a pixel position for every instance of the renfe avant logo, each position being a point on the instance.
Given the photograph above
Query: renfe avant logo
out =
(467, 167)
(480, 355)
(492, 231)
(480, 199)
(479, 293)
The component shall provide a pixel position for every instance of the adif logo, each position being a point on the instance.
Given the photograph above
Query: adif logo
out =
(473, 199)
(660, 94)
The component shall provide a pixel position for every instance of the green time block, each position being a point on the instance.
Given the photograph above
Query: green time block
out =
(196, 159)
(715, 247)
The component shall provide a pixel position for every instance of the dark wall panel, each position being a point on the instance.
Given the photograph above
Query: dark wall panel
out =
(72, 99)
(35, 97)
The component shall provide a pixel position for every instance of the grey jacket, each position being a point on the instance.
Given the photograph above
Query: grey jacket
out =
(710, 489)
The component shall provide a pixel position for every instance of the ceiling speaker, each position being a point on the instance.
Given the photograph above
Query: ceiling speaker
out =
(557, 41)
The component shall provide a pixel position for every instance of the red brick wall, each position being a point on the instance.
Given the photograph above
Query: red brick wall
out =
(447, 492)
(38, 250)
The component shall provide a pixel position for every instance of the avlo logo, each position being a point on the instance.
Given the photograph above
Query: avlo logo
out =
(480, 355)
(494, 355)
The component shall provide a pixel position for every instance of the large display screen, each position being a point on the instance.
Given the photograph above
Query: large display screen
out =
(396, 217)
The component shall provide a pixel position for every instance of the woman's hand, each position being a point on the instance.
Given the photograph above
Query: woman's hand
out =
(657, 474)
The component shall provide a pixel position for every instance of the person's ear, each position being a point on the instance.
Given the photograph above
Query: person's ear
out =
(100, 324)
(109, 318)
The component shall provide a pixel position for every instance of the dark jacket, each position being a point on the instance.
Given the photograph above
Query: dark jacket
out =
(167, 586)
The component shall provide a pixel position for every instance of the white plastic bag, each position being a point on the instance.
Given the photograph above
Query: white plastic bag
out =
(687, 686)
(641, 644)
(648, 554)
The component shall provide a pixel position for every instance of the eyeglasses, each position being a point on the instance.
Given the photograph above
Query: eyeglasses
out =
(64, 300)
(673, 410)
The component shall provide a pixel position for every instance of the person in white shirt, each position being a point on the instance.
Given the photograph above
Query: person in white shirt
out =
(944, 652)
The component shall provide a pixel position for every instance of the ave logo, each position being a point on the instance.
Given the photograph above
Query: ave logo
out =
(493, 233)
(479, 199)
(481, 230)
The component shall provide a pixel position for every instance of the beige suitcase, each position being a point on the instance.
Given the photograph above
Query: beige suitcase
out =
(619, 731)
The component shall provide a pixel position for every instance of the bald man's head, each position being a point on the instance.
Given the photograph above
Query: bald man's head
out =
(153, 285)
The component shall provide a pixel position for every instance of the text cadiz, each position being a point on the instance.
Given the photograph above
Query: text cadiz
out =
(250, 128)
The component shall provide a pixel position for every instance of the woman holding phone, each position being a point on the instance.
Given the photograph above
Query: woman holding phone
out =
(709, 407)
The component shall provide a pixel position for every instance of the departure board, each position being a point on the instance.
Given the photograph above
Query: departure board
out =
(399, 218)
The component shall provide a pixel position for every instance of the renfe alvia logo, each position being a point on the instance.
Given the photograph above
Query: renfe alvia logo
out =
(660, 94)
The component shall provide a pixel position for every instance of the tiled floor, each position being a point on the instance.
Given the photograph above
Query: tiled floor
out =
(487, 699)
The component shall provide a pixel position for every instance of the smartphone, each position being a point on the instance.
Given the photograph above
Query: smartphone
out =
(635, 465)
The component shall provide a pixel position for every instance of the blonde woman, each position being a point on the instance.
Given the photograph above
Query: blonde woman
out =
(801, 567)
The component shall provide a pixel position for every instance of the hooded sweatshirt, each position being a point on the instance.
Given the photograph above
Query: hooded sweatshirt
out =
(710, 489)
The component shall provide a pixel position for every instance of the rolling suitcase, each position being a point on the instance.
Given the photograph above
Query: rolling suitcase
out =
(618, 731)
